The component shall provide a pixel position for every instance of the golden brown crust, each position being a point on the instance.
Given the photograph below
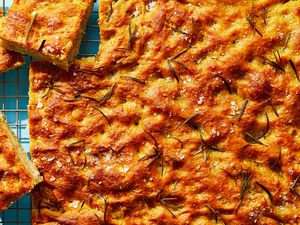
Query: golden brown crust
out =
(50, 30)
(9, 59)
(130, 145)
(17, 174)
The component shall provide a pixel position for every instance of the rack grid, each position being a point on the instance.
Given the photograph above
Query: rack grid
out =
(13, 103)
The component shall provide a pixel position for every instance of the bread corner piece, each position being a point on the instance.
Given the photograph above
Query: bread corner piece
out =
(49, 30)
(18, 175)
(8, 59)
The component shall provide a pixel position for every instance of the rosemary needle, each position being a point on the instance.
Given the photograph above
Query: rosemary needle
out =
(34, 15)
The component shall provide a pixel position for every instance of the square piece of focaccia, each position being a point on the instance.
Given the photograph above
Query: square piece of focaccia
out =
(8, 59)
(189, 115)
(49, 30)
(18, 175)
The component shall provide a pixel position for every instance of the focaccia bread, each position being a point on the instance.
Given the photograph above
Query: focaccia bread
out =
(49, 30)
(8, 59)
(18, 175)
(189, 115)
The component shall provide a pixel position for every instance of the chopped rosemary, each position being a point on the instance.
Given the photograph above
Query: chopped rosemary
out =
(252, 23)
(85, 161)
(176, 29)
(264, 14)
(266, 190)
(226, 84)
(110, 12)
(266, 130)
(102, 113)
(294, 69)
(246, 177)
(80, 143)
(177, 139)
(278, 158)
(105, 210)
(180, 53)
(134, 79)
(250, 138)
(213, 211)
(190, 118)
(274, 64)
(205, 144)
(131, 35)
(242, 110)
(33, 17)
(156, 153)
(108, 95)
(287, 40)
(292, 188)
(166, 201)
(277, 55)
(172, 70)
(42, 45)
(274, 110)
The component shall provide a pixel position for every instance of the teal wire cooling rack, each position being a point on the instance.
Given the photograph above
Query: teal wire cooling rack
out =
(14, 101)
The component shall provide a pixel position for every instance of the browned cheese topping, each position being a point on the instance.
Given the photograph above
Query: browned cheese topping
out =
(50, 30)
(188, 115)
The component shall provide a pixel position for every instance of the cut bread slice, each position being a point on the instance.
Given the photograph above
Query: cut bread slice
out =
(18, 175)
(8, 59)
(49, 30)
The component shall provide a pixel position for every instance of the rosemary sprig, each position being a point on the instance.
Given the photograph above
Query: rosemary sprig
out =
(110, 12)
(42, 45)
(102, 113)
(274, 64)
(242, 110)
(173, 72)
(132, 34)
(292, 188)
(294, 69)
(226, 84)
(134, 79)
(33, 17)
(266, 190)
(190, 118)
(166, 201)
(286, 41)
(213, 211)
